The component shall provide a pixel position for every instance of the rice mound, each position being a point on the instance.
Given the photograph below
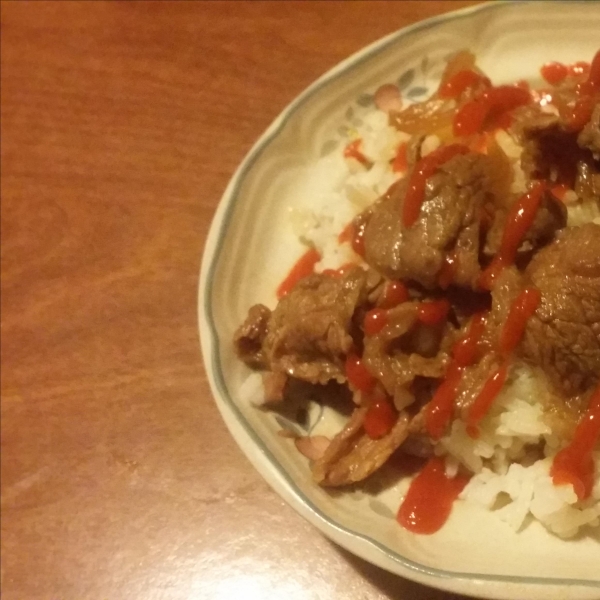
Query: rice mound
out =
(512, 457)
(510, 478)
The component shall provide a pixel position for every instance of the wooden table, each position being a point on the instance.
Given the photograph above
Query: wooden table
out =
(121, 125)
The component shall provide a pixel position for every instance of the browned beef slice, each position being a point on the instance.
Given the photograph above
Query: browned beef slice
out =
(506, 289)
(249, 337)
(308, 334)
(590, 134)
(472, 381)
(563, 336)
(549, 148)
(452, 199)
(400, 352)
(551, 216)
(466, 255)
(353, 455)
(534, 129)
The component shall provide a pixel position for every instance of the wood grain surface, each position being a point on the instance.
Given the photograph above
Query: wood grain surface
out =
(121, 125)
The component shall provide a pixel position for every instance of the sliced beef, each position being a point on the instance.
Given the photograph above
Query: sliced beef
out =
(550, 217)
(308, 334)
(472, 381)
(466, 257)
(450, 212)
(249, 337)
(508, 286)
(563, 336)
(352, 455)
(590, 135)
(550, 148)
(404, 350)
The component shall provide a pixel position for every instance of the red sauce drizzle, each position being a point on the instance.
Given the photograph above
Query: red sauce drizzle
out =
(430, 497)
(500, 121)
(381, 416)
(425, 168)
(522, 308)
(375, 320)
(485, 399)
(505, 98)
(347, 233)
(303, 268)
(559, 191)
(439, 409)
(520, 218)
(352, 150)
(394, 293)
(464, 353)
(434, 312)
(574, 464)
(400, 161)
(578, 115)
(459, 82)
(469, 119)
(581, 113)
(554, 72)
(488, 108)
(358, 375)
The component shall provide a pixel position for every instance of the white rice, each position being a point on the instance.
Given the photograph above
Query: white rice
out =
(509, 479)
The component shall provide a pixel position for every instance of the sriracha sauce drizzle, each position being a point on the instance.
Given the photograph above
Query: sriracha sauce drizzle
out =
(459, 82)
(380, 417)
(434, 312)
(375, 320)
(493, 105)
(575, 464)
(520, 311)
(358, 375)
(400, 161)
(429, 500)
(438, 412)
(394, 293)
(352, 150)
(554, 72)
(518, 221)
(484, 400)
(424, 169)
(304, 267)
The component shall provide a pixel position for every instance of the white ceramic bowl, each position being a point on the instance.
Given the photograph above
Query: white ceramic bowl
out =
(251, 246)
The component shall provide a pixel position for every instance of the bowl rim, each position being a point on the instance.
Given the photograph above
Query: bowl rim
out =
(253, 447)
